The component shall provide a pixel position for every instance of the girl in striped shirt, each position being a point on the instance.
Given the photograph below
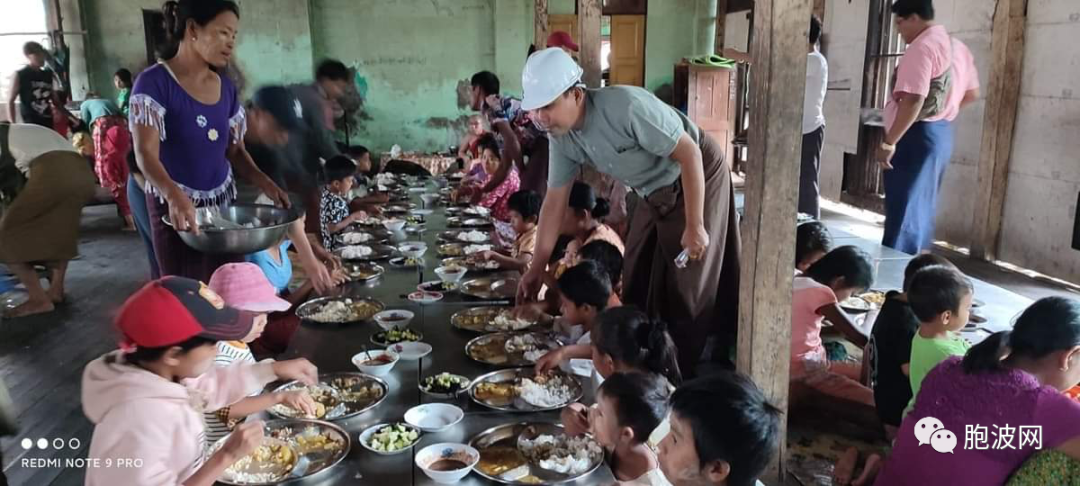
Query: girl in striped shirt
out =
(245, 287)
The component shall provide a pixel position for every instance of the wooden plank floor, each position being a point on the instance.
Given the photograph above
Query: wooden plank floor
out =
(42, 357)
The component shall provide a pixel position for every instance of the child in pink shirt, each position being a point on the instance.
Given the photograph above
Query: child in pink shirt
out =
(146, 399)
(840, 274)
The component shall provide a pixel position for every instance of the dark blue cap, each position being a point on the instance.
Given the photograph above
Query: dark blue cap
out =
(281, 104)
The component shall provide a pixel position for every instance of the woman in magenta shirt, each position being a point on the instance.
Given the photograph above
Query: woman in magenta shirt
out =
(1012, 379)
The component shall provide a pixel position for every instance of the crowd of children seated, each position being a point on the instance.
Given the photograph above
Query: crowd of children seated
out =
(193, 375)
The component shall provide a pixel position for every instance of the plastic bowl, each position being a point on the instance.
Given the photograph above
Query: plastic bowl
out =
(451, 274)
(429, 198)
(393, 319)
(365, 439)
(394, 224)
(413, 249)
(434, 417)
(376, 369)
(432, 454)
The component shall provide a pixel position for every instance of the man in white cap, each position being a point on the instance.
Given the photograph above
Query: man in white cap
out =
(675, 170)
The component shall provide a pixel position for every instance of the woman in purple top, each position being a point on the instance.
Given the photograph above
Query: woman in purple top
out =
(992, 402)
(188, 126)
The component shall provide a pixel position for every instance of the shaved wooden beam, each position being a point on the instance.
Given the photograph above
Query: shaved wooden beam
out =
(999, 123)
(778, 50)
(540, 18)
(589, 12)
(721, 18)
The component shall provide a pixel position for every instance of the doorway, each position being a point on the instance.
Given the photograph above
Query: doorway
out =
(625, 49)
(622, 45)
(153, 27)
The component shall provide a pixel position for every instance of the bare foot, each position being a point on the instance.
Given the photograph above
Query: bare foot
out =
(29, 308)
(869, 472)
(845, 467)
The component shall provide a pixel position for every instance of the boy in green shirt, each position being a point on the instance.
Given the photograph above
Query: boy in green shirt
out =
(940, 297)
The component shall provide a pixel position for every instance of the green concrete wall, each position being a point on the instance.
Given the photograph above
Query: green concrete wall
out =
(274, 43)
(669, 36)
(562, 7)
(413, 57)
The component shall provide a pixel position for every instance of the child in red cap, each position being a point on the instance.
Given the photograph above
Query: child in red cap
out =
(146, 399)
(243, 286)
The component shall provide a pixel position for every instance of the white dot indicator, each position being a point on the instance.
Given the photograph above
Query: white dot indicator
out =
(43, 444)
(27, 444)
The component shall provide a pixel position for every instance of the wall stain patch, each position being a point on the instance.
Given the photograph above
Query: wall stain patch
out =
(464, 94)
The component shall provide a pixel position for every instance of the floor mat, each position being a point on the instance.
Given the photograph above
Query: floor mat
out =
(812, 452)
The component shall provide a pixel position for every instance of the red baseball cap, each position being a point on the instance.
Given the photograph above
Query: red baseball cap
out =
(171, 310)
(560, 38)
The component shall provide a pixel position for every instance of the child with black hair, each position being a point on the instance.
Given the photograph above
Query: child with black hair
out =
(610, 260)
(723, 432)
(524, 212)
(941, 298)
(123, 84)
(890, 348)
(333, 205)
(812, 241)
(584, 291)
(625, 339)
(146, 399)
(366, 199)
(584, 221)
(816, 294)
(1012, 378)
(629, 407)
(583, 224)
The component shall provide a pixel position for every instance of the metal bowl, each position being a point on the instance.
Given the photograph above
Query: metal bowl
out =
(271, 225)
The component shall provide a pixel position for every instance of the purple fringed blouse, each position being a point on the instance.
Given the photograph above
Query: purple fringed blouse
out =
(194, 136)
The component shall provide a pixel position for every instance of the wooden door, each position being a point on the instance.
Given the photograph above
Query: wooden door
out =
(628, 50)
(565, 23)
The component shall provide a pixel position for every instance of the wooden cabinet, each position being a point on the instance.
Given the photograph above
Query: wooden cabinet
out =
(707, 95)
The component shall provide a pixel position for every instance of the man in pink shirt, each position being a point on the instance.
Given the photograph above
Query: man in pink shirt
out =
(934, 79)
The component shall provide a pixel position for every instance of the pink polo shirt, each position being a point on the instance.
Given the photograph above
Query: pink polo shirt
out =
(928, 57)
(807, 351)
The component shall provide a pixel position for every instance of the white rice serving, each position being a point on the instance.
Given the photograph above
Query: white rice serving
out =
(565, 455)
(554, 393)
(472, 236)
(355, 238)
(471, 249)
(530, 348)
(357, 251)
(504, 322)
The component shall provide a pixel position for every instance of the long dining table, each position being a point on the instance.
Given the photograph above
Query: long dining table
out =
(331, 348)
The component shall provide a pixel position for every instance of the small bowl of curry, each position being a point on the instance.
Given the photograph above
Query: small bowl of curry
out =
(376, 362)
